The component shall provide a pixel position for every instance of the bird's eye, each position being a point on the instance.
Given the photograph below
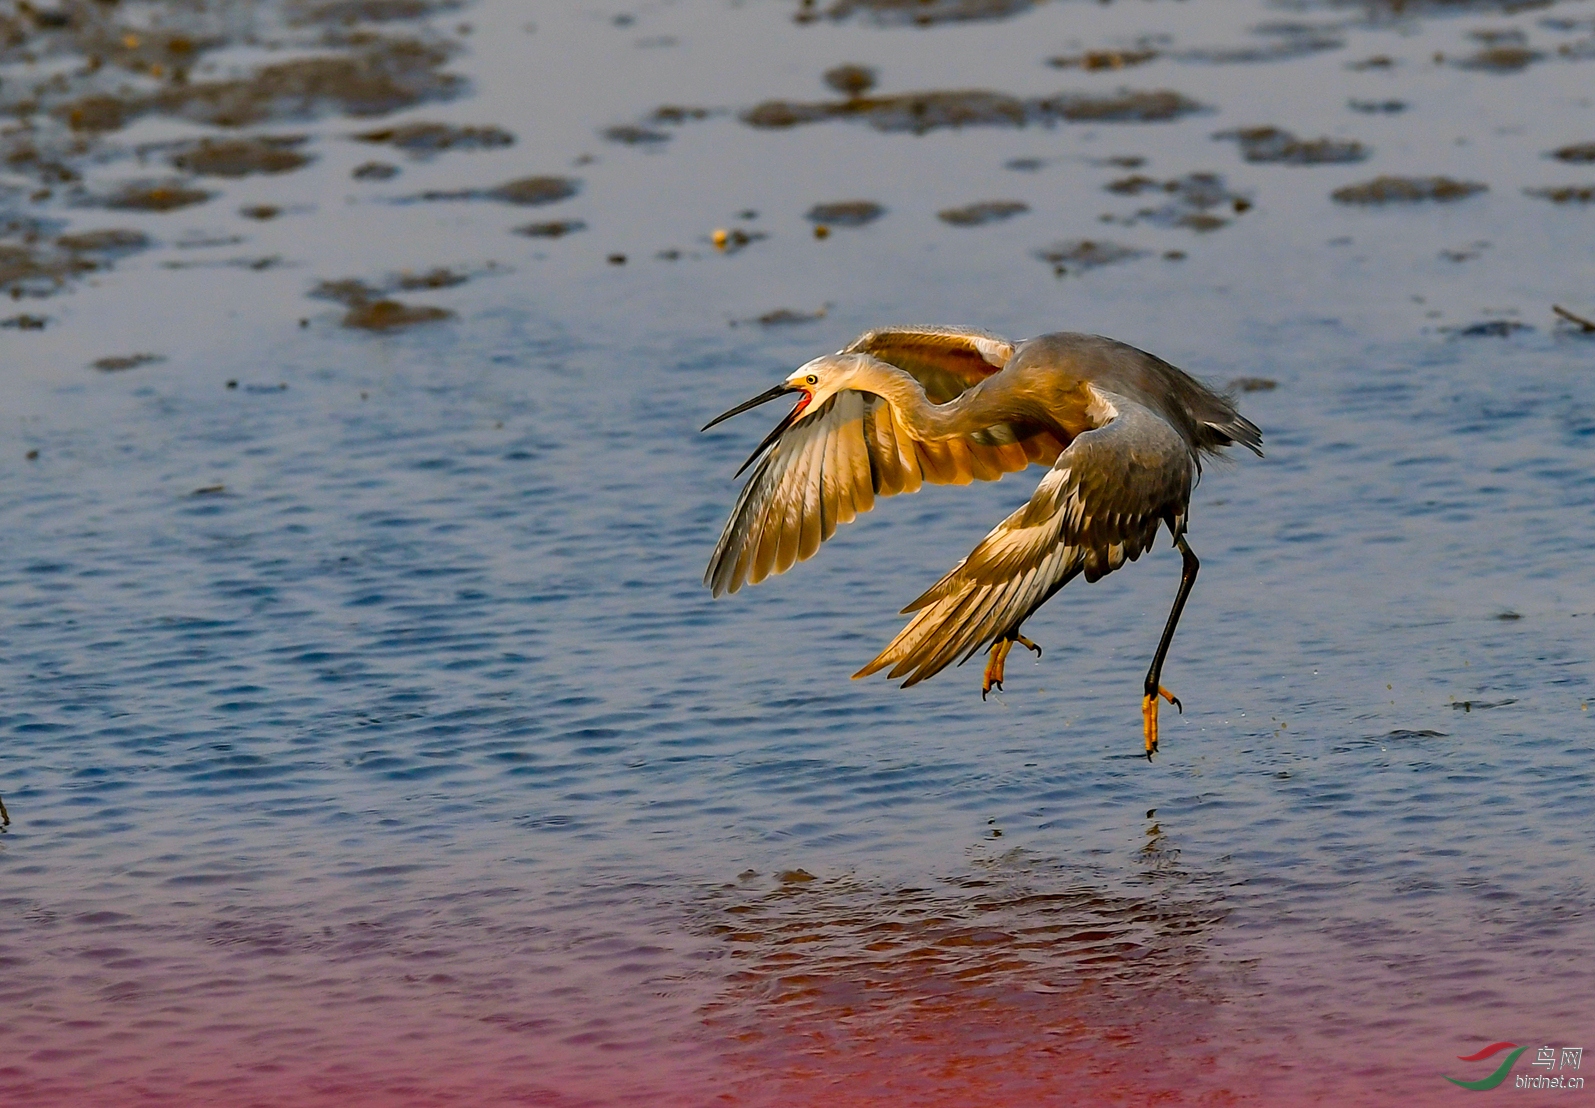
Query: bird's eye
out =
(811, 379)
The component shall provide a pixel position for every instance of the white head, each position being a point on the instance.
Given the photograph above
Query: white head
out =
(816, 382)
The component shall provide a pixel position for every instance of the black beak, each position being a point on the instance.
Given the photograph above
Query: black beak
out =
(762, 398)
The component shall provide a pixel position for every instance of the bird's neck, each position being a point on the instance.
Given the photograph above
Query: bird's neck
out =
(926, 420)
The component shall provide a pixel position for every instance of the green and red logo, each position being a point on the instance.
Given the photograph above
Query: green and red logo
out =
(1547, 1058)
(1501, 1071)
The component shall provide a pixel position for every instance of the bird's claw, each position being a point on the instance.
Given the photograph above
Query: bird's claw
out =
(987, 686)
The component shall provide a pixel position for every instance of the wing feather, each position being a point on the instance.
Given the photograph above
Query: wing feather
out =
(1100, 505)
(832, 465)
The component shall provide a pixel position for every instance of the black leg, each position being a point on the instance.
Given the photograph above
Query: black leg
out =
(1154, 676)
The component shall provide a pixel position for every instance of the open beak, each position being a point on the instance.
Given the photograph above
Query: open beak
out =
(762, 398)
(780, 428)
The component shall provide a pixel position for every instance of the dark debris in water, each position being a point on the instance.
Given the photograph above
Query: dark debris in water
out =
(25, 322)
(1377, 107)
(1281, 42)
(374, 171)
(1273, 144)
(1489, 329)
(846, 213)
(982, 212)
(1082, 254)
(1193, 201)
(1578, 152)
(1501, 58)
(629, 134)
(784, 317)
(1481, 705)
(349, 12)
(1407, 190)
(524, 191)
(154, 196)
(850, 79)
(1586, 326)
(423, 139)
(551, 229)
(371, 309)
(1252, 384)
(918, 13)
(111, 242)
(124, 362)
(1564, 194)
(242, 157)
(35, 263)
(1102, 59)
(921, 112)
(385, 76)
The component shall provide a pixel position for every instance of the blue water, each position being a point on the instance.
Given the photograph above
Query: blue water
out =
(369, 732)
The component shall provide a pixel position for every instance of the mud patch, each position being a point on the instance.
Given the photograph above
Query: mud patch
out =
(242, 157)
(524, 191)
(349, 12)
(1578, 153)
(1084, 254)
(921, 112)
(368, 310)
(983, 212)
(425, 139)
(1194, 201)
(1565, 194)
(374, 171)
(850, 79)
(1488, 329)
(920, 13)
(1281, 42)
(154, 196)
(628, 134)
(845, 213)
(371, 308)
(784, 317)
(1407, 190)
(34, 264)
(386, 76)
(126, 362)
(1506, 58)
(1272, 144)
(111, 243)
(552, 229)
(1102, 59)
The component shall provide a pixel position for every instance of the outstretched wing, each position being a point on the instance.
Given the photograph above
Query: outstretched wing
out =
(829, 468)
(1101, 503)
(945, 360)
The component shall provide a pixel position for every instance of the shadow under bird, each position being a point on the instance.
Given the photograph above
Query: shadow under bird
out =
(1123, 431)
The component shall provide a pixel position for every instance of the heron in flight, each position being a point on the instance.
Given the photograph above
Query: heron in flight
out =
(1124, 433)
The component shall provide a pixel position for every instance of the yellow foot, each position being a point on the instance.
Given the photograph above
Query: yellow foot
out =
(999, 655)
(1149, 716)
(993, 677)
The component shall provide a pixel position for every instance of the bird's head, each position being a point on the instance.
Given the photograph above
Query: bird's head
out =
(813, 384)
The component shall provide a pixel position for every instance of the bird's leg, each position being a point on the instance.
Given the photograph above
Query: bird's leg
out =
(993, 677)
(1153, 689)
(999, 655)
